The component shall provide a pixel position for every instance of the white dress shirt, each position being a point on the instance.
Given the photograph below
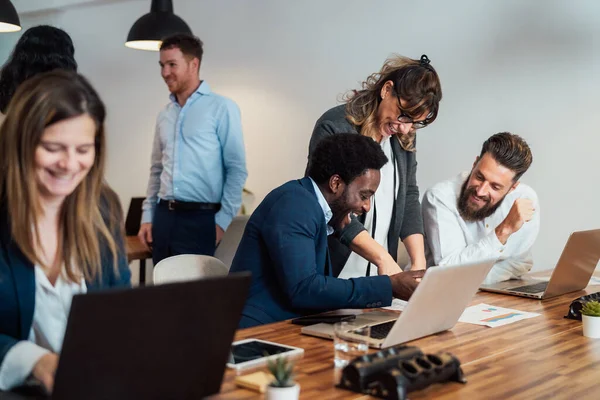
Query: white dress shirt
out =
(52, 305)
(383, 201)
(450, 240)
(327, 213)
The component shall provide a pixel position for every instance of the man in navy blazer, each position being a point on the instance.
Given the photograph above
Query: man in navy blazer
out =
(285, 242)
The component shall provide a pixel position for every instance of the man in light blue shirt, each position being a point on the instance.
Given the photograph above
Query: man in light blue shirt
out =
(198, 166)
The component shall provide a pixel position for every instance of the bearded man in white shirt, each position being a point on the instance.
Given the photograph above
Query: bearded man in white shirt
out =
(486, 213)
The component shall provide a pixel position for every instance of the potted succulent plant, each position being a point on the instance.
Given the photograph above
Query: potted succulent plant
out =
(283, 386)
(590, 315)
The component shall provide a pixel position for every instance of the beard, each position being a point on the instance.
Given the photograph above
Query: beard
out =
(340, 212)
(473, 215)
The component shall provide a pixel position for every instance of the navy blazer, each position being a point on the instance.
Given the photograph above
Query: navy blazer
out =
(17, 285)
(285, 248)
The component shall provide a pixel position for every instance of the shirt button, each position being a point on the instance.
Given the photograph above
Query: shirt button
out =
(487, 226)
(378, 304)
(501, 250)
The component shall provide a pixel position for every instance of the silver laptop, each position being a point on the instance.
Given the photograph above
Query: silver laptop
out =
(435, 306)
(572, 273)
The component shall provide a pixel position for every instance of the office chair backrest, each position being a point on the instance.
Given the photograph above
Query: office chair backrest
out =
(231, 240)
(187, 267)
(134, 216)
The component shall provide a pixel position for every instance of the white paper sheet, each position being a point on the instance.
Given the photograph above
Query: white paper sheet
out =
(492, 316)
(397, 305)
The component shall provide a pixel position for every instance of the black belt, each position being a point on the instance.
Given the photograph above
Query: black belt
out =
(174, 205)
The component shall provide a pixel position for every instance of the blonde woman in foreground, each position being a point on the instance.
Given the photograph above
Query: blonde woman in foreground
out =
(60, 225)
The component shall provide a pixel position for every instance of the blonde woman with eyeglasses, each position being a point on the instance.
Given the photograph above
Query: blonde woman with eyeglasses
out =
(390, 107)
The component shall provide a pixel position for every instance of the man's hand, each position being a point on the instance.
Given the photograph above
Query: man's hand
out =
(388, 266)
(521, 211)
(45, 369)
(405, 283)
(145, 234)
(340, 223)
(220, 233)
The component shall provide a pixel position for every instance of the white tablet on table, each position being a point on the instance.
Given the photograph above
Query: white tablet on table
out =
(249, 353)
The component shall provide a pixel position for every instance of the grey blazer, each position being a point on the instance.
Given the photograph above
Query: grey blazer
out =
(407, 218)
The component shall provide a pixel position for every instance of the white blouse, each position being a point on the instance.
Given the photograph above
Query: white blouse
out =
(52, 305)
(382, 201)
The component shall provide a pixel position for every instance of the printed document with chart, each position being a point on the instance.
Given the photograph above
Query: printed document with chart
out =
(492, 316)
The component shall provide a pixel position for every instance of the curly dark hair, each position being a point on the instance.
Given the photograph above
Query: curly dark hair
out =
(40, 49)
(348, 155)
(509, 150)
(190, 45)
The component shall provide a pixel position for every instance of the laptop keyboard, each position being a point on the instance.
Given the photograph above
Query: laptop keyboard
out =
(381, 331)
(535, 288)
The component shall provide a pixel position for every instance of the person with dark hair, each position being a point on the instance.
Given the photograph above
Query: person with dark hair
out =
(486, 213)
(61, 227)
(198, 162)
(392, 105)
(285, 247)
(40, 49)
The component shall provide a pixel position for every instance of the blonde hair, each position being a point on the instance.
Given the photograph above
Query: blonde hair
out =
(83, 230)
(415, 81)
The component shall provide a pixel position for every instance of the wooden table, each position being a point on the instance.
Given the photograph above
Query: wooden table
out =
(542, 357)
(136, 250)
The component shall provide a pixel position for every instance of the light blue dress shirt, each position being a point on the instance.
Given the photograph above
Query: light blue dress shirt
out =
(198, 155)
(324, 206)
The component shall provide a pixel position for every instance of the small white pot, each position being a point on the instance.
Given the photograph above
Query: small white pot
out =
(283, 393)
(591, 326)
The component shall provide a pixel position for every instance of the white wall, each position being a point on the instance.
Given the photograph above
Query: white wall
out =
(26, 7)
(530, 67)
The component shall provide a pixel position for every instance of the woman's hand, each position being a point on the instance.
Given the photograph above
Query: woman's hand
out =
(388, 266)
(45, 369)
(364, 245)
(418, 266)
(415, 247)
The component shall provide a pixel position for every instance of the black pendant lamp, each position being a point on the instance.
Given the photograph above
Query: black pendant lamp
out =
(9, 19)
(148, 31)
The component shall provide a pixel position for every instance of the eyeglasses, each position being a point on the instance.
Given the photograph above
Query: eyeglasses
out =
(405, 119)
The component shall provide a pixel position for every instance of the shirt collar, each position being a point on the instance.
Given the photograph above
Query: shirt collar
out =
(203, 89)
(324, 206)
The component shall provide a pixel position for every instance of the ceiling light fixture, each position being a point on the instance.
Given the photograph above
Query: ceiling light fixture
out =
(9, 19)
(149, 30)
